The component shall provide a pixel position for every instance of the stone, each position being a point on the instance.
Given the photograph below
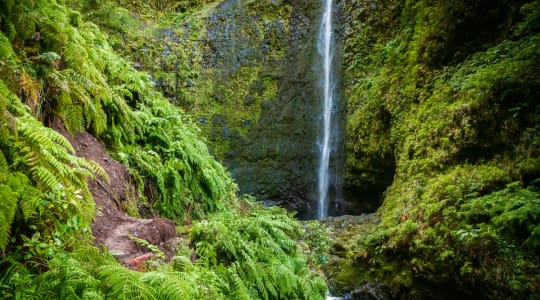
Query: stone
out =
(138, 262)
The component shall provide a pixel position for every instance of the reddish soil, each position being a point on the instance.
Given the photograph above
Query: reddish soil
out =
(111, 225)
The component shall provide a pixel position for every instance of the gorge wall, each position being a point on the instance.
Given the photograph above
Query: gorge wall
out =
(264, 67)
(442, 106)
(275, 159)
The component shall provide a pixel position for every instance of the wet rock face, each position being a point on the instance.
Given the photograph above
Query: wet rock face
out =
(275, 156)
(275, 159)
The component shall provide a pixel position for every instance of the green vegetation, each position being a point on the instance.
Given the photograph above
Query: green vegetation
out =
(442, 102)
(251, 254)
(57, 69)
(256, 253)
(88, 86)
(447, 94)
(217, 69)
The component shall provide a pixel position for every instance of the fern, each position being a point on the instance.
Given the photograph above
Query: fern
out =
(93, 167)
(48, 155)
(15, 279)
(144, 243)
(50, 58)
(6, 51)
(514, 212)
(46, 177)
(260, 252)
(171, 285)
(74, 74)
(66, 279)
(92, 258)
(40, 157)
(28, 197)
(73, 118)
(97, 90)
(126, 284)
(24, 22)
(239, 289)
(8, 205)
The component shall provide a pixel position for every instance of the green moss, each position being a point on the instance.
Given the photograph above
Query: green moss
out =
(178, 50)
(458, 117)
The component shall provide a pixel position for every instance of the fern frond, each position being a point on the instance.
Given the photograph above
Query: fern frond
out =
(41, 136)
(16, 279)
(6, 51)
(43, 175)
(8, 206)
(66, 279)
(61, 140)
(73, 118)
(182, 263)
(54, 164)
(76, 55)
(126, 284)
(92, 295)
(239, 291)
(3, 166)
(24, 22)
(94, 167)
(78, 175)
(30, 204)
(95, 116)
(30, 157)
(93, 258)
(172, 286)
(255, 248)
(31, 90)
(50, 57)
(35, 135)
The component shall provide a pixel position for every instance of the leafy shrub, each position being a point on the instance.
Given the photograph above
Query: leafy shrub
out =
(257, 254)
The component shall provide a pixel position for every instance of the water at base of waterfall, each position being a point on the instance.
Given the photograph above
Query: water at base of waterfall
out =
(336, 298)
(346, 297)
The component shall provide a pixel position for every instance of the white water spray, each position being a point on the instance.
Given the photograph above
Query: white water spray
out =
(324, 46)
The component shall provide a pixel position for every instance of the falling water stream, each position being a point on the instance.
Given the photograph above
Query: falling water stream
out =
(324, 47)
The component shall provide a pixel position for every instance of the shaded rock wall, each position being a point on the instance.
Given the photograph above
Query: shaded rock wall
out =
(276, 159)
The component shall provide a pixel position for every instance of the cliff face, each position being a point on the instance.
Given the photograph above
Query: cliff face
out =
(442, 104)
(276, 158)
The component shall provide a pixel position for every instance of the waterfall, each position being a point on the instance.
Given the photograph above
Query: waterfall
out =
(326, 81)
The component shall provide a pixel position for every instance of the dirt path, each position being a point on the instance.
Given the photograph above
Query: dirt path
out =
(111, 225)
